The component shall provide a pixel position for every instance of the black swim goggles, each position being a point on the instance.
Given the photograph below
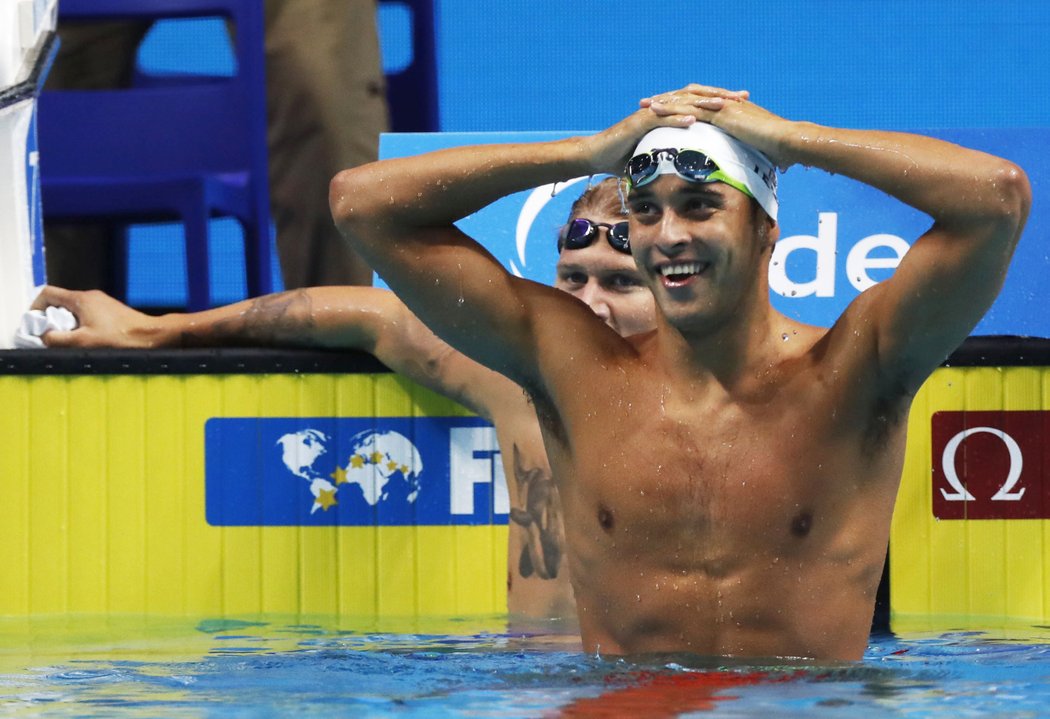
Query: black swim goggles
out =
(691, 165)
(581, 232)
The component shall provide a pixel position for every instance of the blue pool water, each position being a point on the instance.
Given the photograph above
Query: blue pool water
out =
(476, 668)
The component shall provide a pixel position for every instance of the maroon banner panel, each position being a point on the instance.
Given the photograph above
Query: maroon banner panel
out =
(991, 465)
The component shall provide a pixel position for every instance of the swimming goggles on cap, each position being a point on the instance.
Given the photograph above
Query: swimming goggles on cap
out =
(580, 233)
(691, 165)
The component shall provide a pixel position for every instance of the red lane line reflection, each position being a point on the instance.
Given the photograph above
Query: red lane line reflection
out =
(659, 696)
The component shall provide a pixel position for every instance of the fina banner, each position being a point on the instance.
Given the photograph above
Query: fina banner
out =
(838, 236)
(353, 471)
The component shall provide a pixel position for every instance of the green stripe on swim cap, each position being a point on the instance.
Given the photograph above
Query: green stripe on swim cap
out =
(719, 176)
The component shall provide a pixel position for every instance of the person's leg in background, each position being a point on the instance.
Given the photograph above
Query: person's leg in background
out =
(92, 56)
(326, 101)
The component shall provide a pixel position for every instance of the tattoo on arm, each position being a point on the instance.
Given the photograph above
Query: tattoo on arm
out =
(537, 515)
(283, 318)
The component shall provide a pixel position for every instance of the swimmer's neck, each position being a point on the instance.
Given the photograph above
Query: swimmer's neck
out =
(727, 351)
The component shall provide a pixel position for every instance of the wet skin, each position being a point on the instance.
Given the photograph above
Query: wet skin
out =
(708, 510)
(692, 529)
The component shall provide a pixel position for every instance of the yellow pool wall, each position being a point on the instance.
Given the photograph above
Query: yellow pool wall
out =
(976, 569)
(102, 507)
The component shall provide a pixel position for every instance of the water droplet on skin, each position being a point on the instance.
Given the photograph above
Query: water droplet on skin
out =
(784, 337)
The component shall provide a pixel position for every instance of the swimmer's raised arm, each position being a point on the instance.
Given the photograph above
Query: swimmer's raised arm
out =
(361, 318)
(952, 274)
(399, 213)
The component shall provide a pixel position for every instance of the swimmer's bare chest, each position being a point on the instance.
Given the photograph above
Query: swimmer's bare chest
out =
(709, 475)
(709, 501)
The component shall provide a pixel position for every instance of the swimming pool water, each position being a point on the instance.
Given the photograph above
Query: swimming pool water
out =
(92, 667)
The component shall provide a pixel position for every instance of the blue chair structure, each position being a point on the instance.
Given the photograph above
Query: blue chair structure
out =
(412, 93)
(187, 149)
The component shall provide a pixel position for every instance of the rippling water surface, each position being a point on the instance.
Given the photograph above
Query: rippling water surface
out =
(90, 667)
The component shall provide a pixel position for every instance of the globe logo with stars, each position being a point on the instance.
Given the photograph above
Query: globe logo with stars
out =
(379, 467)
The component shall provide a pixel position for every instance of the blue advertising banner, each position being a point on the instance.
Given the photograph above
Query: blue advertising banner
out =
(837, 236)
(353, 471)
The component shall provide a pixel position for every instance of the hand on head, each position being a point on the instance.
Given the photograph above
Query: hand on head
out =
(705, 96)
(730, 110)
(610, 149)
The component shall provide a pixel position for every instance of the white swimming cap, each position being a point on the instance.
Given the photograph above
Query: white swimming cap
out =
(735, 159)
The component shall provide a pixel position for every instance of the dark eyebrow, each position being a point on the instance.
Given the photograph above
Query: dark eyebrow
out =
(569, 266)
(702, 188)
(707, 189)
(595, 271)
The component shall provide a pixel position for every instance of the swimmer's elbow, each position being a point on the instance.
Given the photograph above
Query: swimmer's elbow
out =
(350, 198)
(341, 197)
(1013, 198)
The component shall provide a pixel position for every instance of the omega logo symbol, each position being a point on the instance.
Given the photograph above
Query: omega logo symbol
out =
(1006, 491)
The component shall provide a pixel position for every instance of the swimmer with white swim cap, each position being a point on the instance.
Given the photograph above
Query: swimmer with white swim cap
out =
(728, 479)
(704, 153)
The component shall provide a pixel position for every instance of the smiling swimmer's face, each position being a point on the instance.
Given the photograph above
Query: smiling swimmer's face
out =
(701, 247)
